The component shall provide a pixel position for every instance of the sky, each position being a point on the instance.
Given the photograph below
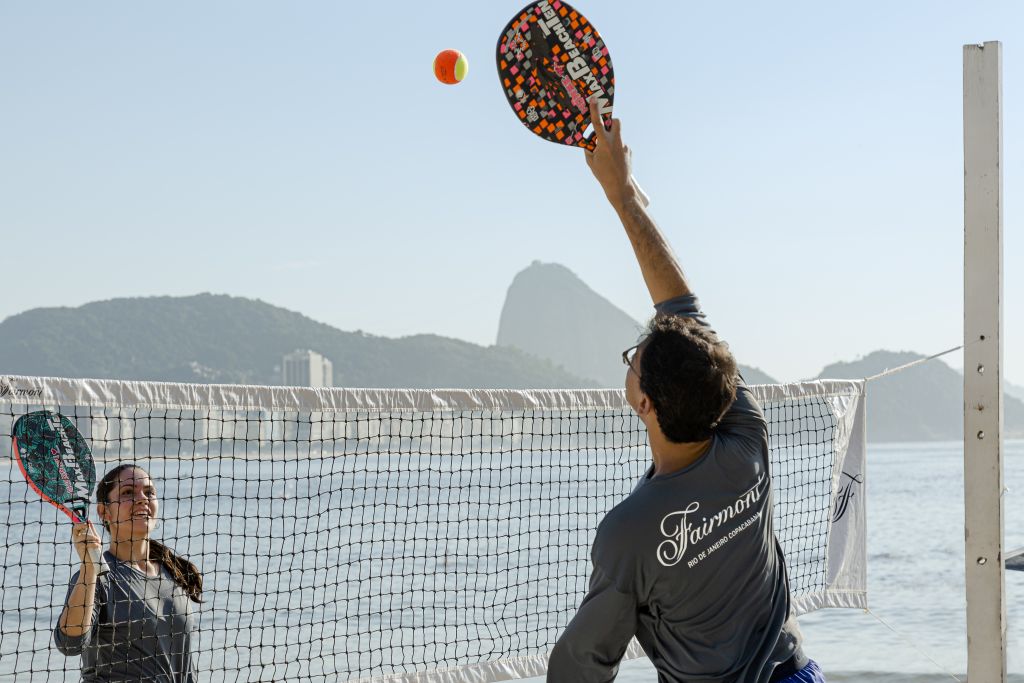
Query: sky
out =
(805, 160)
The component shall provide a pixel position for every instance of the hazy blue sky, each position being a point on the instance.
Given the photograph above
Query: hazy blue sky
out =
(804, 158)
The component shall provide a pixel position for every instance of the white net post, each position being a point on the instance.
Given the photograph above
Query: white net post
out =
(983, 367)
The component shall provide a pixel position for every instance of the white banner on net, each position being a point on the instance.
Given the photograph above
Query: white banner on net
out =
(442, 566)
(845, 583)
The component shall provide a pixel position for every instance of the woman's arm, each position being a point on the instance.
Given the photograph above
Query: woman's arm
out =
(77, 618)
(79, 612)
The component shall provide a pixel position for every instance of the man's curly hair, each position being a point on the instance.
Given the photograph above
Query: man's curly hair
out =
(690, 376)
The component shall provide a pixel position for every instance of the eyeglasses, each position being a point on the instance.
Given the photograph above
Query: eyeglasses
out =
(627, 358)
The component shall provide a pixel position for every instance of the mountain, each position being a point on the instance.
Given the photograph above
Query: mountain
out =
(212, 338)
(555, 332)
(1014, 390)
(752, 375)
(550, 313)
(922, 403)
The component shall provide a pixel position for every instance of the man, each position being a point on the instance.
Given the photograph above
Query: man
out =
(689, 562)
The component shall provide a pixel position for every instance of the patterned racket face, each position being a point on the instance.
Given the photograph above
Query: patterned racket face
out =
(550, 60)
(56, 461)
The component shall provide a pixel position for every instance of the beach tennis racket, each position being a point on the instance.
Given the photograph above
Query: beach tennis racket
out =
(551, 59)
(57, 464)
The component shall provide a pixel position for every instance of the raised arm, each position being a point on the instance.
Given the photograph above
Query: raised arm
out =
(79, 614)
(610, 162)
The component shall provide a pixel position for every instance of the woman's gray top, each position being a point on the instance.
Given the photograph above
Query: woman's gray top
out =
(142, 629)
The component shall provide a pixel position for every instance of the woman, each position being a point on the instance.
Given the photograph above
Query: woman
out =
(135, 622)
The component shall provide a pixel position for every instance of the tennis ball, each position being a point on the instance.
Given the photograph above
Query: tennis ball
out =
(450, 66)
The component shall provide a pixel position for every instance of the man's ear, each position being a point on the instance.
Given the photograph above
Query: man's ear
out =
(644, 406)
(645, 410)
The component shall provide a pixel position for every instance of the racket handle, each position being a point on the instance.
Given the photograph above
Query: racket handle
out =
(640, 191)
(96, 557)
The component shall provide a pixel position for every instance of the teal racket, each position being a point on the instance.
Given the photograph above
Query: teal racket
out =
(57, 464)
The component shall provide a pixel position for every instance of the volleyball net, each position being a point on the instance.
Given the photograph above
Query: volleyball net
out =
(396, 535)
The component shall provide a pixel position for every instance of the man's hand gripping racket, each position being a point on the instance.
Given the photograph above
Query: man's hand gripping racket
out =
(611, 162)
(557, 75)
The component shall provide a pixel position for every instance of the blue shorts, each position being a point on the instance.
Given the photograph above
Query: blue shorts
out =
(809, 674)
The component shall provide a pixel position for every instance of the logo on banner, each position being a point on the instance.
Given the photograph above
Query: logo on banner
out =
(849, 486)
(18, 392)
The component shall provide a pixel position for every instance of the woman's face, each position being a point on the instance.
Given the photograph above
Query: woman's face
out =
(131, 506)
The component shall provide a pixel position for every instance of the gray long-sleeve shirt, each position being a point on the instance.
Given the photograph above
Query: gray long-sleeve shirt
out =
(689, 564)
(142, 629)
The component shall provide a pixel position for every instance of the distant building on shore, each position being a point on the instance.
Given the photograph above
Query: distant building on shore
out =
(305, 368)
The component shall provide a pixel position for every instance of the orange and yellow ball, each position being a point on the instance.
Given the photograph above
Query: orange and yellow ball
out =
(450, 66)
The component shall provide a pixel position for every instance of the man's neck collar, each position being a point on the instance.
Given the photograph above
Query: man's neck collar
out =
(671, 457)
